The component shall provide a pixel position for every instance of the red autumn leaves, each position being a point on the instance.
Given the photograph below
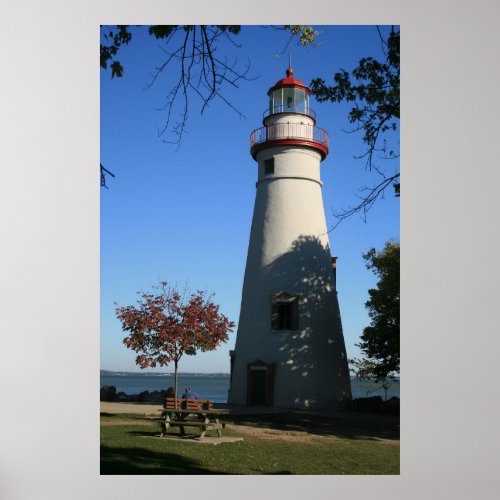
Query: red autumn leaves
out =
(165, 325)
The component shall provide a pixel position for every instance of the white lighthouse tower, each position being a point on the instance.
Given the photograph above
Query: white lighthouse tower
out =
(290, 349)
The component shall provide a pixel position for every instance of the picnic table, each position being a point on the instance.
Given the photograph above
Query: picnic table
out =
(184, 413)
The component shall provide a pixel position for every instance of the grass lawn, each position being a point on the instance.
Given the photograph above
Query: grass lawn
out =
(277, 444)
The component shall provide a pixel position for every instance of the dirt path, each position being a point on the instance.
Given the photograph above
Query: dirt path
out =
(258, 430)
(128, 421)
(244, 430)
(141, 409)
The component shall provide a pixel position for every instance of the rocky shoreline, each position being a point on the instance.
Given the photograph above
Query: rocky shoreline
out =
(373, 404)
(108, 393)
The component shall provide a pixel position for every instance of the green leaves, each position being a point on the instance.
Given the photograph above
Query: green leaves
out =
(116, 69)
(233, 29)
(374, 86)
(161, 31)
(307, 34)
(380, 340)
(107, 52)
(164, 31)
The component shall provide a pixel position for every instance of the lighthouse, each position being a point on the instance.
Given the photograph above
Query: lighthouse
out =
(290, 349)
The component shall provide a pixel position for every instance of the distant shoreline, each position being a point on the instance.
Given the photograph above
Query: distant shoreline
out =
(183, 374)
(149, 374)
(148, 387)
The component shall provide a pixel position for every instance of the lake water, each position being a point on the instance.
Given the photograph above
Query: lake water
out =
(212, 386)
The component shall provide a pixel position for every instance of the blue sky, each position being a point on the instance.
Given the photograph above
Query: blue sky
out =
(183, 215)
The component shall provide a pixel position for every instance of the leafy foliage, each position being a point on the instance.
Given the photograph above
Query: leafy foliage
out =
(380, 340)
(116, 38)
(161, 31)
(374, 88)
(165, 325)
(306, 34)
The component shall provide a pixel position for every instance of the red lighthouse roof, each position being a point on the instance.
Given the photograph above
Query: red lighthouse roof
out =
(289, 81)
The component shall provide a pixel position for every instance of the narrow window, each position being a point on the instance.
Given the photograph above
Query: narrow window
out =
(285, 312)
(269, 166)
(285, 315)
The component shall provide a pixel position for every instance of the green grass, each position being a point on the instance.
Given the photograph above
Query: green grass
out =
(135, 449)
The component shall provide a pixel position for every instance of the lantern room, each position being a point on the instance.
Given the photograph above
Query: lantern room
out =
(289, 95)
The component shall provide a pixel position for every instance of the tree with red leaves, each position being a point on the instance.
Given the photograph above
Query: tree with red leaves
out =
(165, 325)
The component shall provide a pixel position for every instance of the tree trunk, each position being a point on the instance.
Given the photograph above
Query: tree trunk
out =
(386, 386)
(175, 385)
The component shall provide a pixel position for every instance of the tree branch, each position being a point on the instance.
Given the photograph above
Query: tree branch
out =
(367, 201)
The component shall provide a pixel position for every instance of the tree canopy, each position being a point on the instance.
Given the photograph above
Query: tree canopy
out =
(165, 325)
(380, 340)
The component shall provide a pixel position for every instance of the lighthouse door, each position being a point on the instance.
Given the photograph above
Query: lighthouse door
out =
(258, 384)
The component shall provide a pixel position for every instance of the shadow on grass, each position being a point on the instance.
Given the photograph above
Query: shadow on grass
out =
(142, 461)
(189, 436)
(356, 428)
(322, 426)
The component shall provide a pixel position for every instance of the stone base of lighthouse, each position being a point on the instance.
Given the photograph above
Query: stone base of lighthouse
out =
(290, 349)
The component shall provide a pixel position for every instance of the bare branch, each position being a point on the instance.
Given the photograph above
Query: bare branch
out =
(201, 73)
(105, 171)
(383, 42)
(367, 200)
(213, 88)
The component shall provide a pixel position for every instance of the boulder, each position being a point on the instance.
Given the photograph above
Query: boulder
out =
(143, 397)
(155, 397)
(108, 393)
(122, 397)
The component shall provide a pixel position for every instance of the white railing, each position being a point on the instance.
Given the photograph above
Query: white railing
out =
(278, 131)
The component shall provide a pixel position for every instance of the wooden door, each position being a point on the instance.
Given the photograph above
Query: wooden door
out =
(258, 387)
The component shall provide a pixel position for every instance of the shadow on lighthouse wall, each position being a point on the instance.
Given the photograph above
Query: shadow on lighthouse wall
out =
(312, 363)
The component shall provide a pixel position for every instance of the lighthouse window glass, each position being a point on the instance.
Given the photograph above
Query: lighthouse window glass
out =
(285, 312)
(277, 98)
(269, 166)
(288, 98)
(285, 316)
(300, 100)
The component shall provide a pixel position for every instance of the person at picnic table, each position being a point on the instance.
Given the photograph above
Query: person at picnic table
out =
(189, 394)
(170, 392)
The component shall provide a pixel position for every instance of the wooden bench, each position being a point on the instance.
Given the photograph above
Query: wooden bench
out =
(184, 413)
